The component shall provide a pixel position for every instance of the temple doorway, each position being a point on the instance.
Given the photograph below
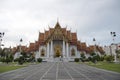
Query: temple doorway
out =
(57, 50)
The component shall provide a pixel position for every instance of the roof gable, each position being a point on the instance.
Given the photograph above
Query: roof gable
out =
(57, 25)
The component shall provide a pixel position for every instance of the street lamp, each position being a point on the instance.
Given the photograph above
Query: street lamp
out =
(94, 44)
(21, 40)
(1, 36)
(20, 45)
(113, 34)
(113, 46)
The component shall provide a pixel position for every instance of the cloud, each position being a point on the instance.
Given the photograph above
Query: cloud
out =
(90, 18)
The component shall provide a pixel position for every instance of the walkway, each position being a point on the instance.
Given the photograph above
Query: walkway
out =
(59, 71)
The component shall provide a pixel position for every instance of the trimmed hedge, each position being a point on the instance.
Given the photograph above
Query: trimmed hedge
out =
(76, 59)
(39, 60)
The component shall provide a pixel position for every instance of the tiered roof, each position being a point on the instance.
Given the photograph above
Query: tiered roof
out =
(17, 49)
(69, 36)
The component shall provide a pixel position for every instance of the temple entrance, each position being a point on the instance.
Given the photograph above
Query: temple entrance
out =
(57, 54)
(57, 51)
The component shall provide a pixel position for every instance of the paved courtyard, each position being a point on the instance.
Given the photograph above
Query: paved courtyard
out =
(59, 71)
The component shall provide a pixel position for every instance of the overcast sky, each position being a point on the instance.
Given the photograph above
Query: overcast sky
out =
(89, 18)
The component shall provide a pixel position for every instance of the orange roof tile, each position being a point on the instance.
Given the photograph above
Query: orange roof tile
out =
(64, 31)
(83, 46)
(51, 30)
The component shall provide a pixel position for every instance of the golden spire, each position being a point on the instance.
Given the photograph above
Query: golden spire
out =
(57, 24)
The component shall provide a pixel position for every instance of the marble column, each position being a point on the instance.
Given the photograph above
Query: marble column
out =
(67, 51)
(48, 50)
(63, 48)
(51, 52)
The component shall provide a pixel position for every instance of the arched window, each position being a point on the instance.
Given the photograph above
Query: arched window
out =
(72, 52)
(42, 52)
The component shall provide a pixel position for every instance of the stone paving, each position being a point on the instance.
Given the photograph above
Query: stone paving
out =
(60, 71)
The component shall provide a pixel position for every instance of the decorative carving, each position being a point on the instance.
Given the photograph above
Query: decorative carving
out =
(57, 35)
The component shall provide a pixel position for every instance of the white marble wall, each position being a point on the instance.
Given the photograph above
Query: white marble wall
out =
(17, 55)
(43, 47)
(67, 51)
(75, 48)
(37, 55)
(107, 50)
(78, 54)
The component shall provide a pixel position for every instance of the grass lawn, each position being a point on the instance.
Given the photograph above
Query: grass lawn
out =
(8, 67)
(106, 65)
(12, 66)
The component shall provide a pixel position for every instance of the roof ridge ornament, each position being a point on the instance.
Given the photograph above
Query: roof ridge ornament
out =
(57, 24)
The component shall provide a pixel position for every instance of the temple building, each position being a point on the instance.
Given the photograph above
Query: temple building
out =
(59, 43)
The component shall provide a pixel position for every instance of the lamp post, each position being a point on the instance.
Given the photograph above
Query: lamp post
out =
(1, 36)
(113, 46)
(113, 34)
(94, 44)
(20, 45)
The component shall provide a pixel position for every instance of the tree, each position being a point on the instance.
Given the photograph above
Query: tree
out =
(83, 57)
(24, 54)
(89, 58)
(7, 60)
(118, 53)
(11, 57)
(16, 60)
(94, 57)
(92, 54)
(2, 52)
(109, 58)
(2, 59)
(97, 57)
(21, 60)
(102, 58)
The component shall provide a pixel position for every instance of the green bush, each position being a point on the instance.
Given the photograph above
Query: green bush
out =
(89, 58)
(16, 60)
(39, 60)
(93, 54)
(109, 58)
(97, 57)
(76, 59)
(11, 58)
(101, 58)
(2, 59)
(7, 60)
(21, 60)
(83, 55)
(29, 60)
(94, 59)
(82, 59)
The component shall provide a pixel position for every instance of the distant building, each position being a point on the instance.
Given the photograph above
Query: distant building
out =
(58, 43)
(16, 51)
(111, 49)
